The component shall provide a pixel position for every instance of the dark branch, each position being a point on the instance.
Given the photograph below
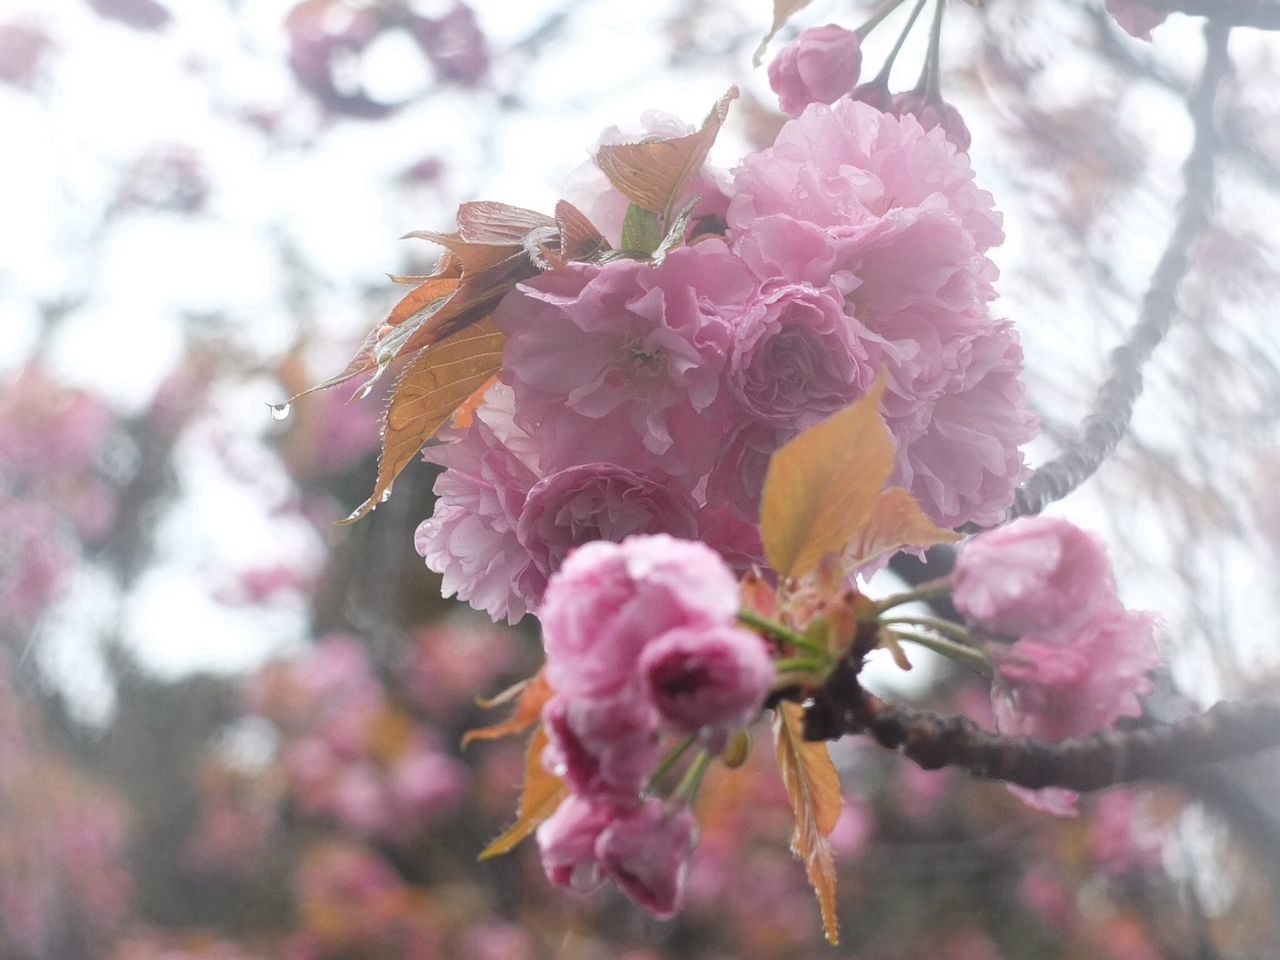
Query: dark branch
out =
(1263, 14)
(1157, 752)
(1113, 406)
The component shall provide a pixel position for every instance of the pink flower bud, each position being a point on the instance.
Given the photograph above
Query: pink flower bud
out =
(646, 853)
(702, 677)
(1137, 19)
(819, 66)
(604, 748)
(1037, 575)
(874, 93)
(933, 112)
(608, 600)
(567, 841)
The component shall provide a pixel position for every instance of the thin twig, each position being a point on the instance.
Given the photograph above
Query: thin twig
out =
(1107, 423)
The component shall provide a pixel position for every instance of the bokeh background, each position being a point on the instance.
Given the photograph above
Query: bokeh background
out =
(229, 729)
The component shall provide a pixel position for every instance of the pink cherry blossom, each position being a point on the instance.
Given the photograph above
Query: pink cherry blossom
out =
(599, 501)
(567, 844)
(608, 600)
(849, 164)
(471, 537)
(932, 111)
(819, 66)
(707, 677)
(796, 359)
(622, 362)
(1039, 575)
(966, 462)
(1054, 689)
(646, 853)
(605, 748)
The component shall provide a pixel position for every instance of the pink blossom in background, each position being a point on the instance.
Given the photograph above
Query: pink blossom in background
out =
(24, 51)
(700, 677)
(1137, 19)
(35, 559)
(1123, 835)
(1042, 892)
(646, 853)
(609, 600)
(588, 189)
(1037, 575)
(818, 66)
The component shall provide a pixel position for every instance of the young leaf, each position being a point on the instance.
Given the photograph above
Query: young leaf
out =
(821, 486)
(813, 787)
(783, 10)
(541, 795)
(579, 238)
(641, 232)
(437, 382)
(535, 693)
(655, 173)
(895, 521)
(678, 227)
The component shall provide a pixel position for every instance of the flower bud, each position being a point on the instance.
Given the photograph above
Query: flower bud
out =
(646, 853)
(819, 66)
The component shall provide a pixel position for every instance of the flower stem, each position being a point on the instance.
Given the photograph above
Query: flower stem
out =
(798, 664)
(968, 656)
(883, 75)
(878, 18)
(945, 627)
(793, 637)
(687, 788)
(933, 61)
(930, 588)
(669, 761)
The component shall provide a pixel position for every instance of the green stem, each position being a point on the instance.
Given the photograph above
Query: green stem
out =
(931, 588)
(968, 656)
(883, 75)
(688, 786)
(933, 91)
(953, 630)
(765, 625)
(878, 18)
(798, 664)
(669, 761)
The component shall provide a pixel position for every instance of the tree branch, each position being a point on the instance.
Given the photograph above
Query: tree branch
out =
(1157, 752)
(1263, 14)
(1112, 410)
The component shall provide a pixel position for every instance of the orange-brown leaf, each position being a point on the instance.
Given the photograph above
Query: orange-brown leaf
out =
(465, 414)
(579, 238)
(822, 485)
(654, 173)
(485, 221)
(541, 795)
(813, 787)
(535, 693)
(895, 521)
(435, 384)
(783, 10)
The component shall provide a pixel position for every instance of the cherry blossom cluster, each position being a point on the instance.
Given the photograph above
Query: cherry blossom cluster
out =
(1081, 659)
(646, 395)
(639, 639)
(344, 755)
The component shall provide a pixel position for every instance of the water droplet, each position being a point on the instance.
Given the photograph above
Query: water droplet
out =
(386, 495)
(560, 769)
(279, 410)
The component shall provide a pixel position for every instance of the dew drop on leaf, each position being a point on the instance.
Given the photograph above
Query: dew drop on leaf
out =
(279, 411)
